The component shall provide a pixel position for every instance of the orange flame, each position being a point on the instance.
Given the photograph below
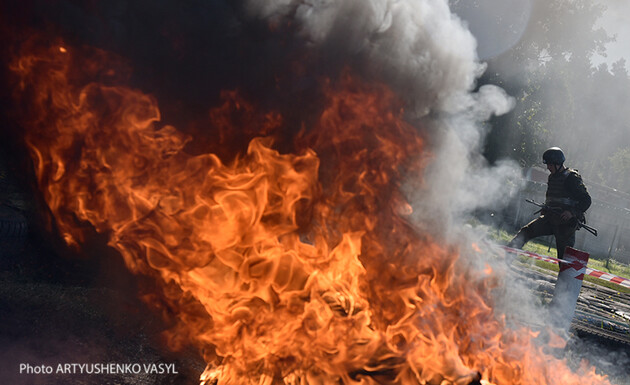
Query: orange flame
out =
(282, 268)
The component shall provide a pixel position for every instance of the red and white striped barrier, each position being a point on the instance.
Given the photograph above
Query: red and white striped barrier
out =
(625, 282)
(568, 285)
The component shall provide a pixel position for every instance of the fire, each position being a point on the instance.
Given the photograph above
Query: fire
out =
(287, 268)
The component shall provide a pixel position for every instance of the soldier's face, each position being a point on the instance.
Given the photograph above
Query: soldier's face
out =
(553, 168)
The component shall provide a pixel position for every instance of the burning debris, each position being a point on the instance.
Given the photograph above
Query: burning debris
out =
(296, 263)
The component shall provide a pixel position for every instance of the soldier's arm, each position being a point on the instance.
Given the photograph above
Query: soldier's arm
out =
(578, 191)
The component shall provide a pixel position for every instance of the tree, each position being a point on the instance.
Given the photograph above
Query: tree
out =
(561, 97)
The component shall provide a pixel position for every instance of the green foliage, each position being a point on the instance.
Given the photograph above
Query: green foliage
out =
(611, 266)
(620, 168)
(561, 98)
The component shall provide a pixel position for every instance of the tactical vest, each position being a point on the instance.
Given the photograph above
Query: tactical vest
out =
(557, 194)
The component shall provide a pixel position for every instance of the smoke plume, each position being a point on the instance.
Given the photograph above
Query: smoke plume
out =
(428, 56)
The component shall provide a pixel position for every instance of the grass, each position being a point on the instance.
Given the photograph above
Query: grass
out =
(552, 267)
(610, 266)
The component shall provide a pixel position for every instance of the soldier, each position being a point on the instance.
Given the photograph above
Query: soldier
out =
(569, 199)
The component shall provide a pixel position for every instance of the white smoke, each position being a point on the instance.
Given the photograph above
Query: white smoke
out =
(428, 56)
(458, 179)
(419, 47)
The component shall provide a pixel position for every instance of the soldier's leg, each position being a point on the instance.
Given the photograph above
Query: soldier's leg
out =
(565, 236)
(536, 228)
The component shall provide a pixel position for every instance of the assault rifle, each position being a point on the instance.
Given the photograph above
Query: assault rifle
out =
(558, 211)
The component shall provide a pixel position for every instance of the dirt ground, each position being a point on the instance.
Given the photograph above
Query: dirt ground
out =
(49, 318)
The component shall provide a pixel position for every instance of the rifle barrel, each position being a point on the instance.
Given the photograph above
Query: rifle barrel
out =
(588, 228)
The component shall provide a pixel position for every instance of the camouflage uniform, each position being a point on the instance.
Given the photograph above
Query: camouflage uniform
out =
(566, 190)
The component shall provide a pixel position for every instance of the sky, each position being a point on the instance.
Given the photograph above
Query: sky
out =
(616, 21)
(494, 38)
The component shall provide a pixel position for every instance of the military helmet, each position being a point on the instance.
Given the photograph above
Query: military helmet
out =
(554, 155)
